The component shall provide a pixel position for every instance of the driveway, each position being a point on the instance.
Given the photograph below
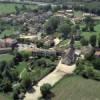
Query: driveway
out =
(55, 76)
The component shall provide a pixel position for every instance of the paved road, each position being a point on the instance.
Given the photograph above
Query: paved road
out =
(28, 2)
(52, 79)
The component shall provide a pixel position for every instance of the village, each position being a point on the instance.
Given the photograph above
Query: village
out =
(40, 46)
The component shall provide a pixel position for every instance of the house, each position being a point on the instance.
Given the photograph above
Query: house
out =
(28, 37)
(8, 42)
(69, 57)
(69, 11)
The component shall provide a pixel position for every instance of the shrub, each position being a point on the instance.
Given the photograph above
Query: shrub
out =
(96, 63)
(93, 40)
(97, 75)
(26, 82)
(45, 90)
(84, 42)
(26, 55)
(88, 72)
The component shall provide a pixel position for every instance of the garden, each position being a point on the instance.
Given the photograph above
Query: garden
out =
(20, 72)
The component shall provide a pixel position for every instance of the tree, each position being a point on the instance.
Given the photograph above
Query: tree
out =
(56, 8)
(26, 55)
(84, 42)
(24, 7)
(65, 29)
(92, 40)
(99, 41)
(91, 27)
(13, 75)
(2, 65)
(18, 57)
(42, 62)
(96, 63)
(97, 75)
(15, 94)
(45, 90)
(88, 20)
(52, 24)
(89, 23)
(88, 72)
(39, 43)
(17, 10)
(45, 7)
(25, 28)
(26, 82)
(7, 86)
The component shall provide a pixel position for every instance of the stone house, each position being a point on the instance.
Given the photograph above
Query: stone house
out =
(69, 56)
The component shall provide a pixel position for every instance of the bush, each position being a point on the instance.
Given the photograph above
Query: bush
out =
(96, 63)
(84, 42)
(93, 40)
(26, 55)
(45, 90)
(7, 86)
(97, 75)
(88, 72)
(26, 82)
(85, 68)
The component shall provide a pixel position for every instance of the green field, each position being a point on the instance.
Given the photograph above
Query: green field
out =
(6, 57)
(10, 7)
(76, 88)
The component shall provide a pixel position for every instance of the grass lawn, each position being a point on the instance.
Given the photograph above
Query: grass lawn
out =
(6, 57)
(20, 67)
(10, 7)
(76, 88)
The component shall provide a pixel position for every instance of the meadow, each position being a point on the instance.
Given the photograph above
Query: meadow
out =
(6, 8)
(76, 88)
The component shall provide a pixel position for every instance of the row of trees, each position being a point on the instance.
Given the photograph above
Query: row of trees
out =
(94, 41)
(92, 7)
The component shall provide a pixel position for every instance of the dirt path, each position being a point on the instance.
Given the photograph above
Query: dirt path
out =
(52, 78)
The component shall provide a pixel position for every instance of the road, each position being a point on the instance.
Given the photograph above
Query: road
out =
(55, 76)
(29, 2)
